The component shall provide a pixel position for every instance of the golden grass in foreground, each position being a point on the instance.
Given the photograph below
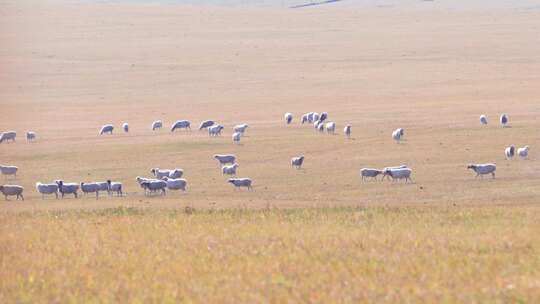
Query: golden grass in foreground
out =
(433, 254)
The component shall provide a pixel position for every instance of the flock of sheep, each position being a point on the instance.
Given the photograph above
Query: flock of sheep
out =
(171, 179)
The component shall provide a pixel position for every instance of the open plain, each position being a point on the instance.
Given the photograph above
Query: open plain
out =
(67, 68)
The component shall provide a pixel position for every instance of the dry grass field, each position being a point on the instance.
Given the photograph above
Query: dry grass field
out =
(314, 235)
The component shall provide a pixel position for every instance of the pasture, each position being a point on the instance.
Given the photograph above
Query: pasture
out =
(318, 234)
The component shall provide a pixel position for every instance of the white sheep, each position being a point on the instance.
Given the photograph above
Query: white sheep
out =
(8, 136)
(181, 124)
(523, 152)
(396, 135)
(125, 127)
(9, 170)
(320, 126)
(153, 186)
(225, 158)
(483, 119)
(30, 136)
(288, 118)
(230, 169)
(205, 124)
(103, 186)
(11, 190)
(158, 124)
(215, 130)
(240, 128)
(175, 183)
(504, 120)
(509, 152)
(315, 116)
(370, 173)
(90, 188)
(330, 127)
(170, 173)
(296, 162)
(240, 182)
(114, 187)
(347, 131)
(391, 168)
(236, 137)
(47, 189)
(67, 188)
(483, 169)
(397, 174)
(106, 129)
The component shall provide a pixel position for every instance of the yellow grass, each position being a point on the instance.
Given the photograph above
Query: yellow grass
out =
(382, 255)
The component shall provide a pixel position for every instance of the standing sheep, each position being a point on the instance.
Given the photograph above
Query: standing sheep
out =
(153, 186)
(30, 136)
(483, 169)
(114, 187)
(175, 184)
(215, 130)
(397, 174)
(509, 152)
(397, 135)
(181, 124)
(347, 131)
(170, 173)
(240, 182)
(240, 128)
(90, 188)
(483, 119)
(369, 173)
(9, 170)
(288, 118)
(125, 127)
(229, 170)
(158, 124)
(225, 158)
(236, 137)
(205, 124)
(323, 117)
(504, 120)
(523, 152)
(330, 127)
(8, 136)
(67, 188)
(106, 129)
(11, 190)
(296, 162)
(47, 189)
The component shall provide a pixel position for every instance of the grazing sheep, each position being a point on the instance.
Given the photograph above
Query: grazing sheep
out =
(330, 127)
(175, 183)
(240, 128)
(347, 131)
(9, 170)
(181, 124)
(158, 124)
(114, 187)
(205, 124)
(240, 182)
(370, 173)
(397, 174)
(396, 135)
(47, 189)
(523, 152)
(67, 188)
(510, 152)
(30, 136)
(225, 159)
(236, 137)
(483, 119)
(391, 168)
(125, 127)
(106, 129)
(504, 120)
(153, 186)
(11, 190)
(170, 173)
(483, 169)
(229, 170)
(90, 188)
(288, 118)
(296, 162)
(8, 136)
(215, 130)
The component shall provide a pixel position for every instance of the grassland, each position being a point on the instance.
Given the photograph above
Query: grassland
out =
(348, 255)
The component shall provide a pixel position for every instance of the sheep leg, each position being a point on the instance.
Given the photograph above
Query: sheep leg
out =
(22, 197)
(493, 174)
